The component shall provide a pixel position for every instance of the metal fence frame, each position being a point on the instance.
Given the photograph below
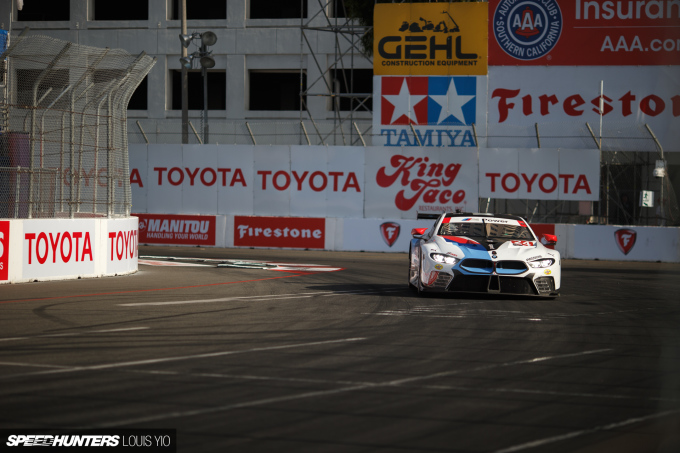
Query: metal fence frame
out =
(64, 113)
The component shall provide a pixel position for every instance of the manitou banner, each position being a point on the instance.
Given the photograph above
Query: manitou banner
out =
(584, 32)
(421, 39)
(176, 229)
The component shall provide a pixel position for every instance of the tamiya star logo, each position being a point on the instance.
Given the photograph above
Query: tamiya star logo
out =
(428, 100)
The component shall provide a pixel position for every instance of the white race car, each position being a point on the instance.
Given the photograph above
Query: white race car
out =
(483, 253)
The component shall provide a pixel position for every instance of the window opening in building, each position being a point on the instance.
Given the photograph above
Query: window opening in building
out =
(121, 10)
(276, 90)
(217, 90)
(277, 9)
(353, 82)
(140, 98)
(337, 8)
(215, 9)
(44, 10)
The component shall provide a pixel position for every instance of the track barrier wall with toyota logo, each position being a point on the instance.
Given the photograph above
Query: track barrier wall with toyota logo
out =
(350, 198)
(39, 250)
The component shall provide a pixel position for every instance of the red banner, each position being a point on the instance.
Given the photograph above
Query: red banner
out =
(4, 250)
(176, 229)
(279, 232)
(584, 33)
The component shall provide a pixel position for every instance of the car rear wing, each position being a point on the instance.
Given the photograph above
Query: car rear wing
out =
(425, 215)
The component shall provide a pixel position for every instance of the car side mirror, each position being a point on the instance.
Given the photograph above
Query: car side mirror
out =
(418, 232)
(549, 239)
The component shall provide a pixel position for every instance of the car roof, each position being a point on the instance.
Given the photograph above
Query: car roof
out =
(483, 214)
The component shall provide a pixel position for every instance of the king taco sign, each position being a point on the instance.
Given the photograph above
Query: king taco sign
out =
(405, 184)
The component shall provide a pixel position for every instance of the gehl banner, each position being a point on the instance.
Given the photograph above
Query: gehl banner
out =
(430, 39)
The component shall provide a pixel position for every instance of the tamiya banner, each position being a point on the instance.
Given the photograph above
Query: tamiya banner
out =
(403, 181)
(584, 32)
(540, 174)
(434, 111)
(176, 229)
(430, 39)
(4, 250)
(524, 96)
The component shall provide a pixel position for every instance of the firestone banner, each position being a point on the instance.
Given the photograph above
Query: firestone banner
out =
(584, 32)
(523, 96)
(421, 39)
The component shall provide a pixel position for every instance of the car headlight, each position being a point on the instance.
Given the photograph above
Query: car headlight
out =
(441, 258)
(547, 262)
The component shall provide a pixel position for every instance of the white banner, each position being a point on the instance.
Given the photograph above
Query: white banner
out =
(539, 174)
(248, 180)
(435, 111)
(58, 248)
(570, 95)
(402, 182)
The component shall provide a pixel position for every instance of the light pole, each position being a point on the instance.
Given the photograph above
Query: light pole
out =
(204, 56)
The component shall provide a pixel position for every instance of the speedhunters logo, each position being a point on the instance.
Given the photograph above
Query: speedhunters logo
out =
(529, 29)
(139, 440)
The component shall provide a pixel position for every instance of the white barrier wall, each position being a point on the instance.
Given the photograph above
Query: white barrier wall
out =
(350, 182)
(55, 249)
(603, 242)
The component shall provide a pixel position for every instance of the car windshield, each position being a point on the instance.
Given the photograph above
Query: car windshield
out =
(485, 230)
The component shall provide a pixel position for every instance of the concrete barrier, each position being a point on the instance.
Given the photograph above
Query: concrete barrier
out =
(603, 242)
(61, 249)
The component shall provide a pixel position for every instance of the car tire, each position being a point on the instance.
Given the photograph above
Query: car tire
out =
(419, 282)
(411, 286)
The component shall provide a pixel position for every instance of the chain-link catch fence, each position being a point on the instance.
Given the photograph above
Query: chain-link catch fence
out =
(63, 137)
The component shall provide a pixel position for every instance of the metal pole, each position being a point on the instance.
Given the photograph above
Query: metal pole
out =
(185, 80)
(204, 73)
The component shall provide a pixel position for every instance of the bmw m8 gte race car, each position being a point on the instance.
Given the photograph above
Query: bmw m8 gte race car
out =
(483, 253)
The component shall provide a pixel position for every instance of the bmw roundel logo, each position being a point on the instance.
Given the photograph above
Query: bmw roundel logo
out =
(529, 29)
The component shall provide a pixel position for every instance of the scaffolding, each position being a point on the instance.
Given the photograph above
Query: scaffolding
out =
(336, 82)
(63, 146)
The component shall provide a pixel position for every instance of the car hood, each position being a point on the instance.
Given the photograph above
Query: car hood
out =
(464, 247)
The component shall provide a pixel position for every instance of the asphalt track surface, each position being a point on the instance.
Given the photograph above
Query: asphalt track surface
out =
(246, 359)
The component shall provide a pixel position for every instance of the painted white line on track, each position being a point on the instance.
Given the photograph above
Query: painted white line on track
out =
(106, 366)
(583, 432)
(258, 298)
(457, 388)
(36, 365)
(351, 388)
(124, 329)
(74, 334)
